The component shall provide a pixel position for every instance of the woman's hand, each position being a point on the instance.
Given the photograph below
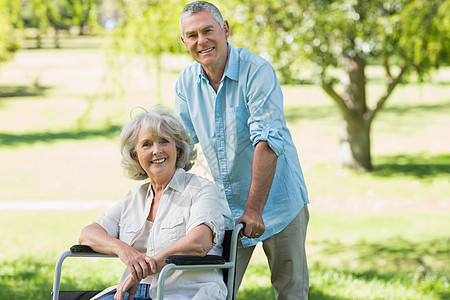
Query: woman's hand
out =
(127, 285)
(139, 264)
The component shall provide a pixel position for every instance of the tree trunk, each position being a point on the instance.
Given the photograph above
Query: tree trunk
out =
(38, 40)
(158, 78)
(354, 145)
(354, 149)
(56, 38)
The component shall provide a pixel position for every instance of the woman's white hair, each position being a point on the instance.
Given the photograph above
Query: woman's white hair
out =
(199, 6)
(161, 123)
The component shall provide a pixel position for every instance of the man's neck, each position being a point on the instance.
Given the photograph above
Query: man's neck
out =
(214, 76)
(215, 73)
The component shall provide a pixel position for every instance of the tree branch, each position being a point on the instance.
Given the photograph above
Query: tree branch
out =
(387, 69)
(337, 98)
(392, 84)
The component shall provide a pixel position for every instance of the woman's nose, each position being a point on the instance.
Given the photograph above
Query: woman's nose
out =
(156, 148)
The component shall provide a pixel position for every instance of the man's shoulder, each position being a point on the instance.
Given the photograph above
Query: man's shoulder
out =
(191, 68)
(188, 75)
(246, 56)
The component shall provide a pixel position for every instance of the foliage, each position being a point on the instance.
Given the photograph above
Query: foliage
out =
(149, 29)
(8, 40)
(57, 14)
(339, 38)
(84, 13)
(290, 33)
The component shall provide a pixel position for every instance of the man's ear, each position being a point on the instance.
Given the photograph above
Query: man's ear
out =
(183, 40)
(226, 28)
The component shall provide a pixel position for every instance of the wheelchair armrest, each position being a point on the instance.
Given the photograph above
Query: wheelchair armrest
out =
(195, 260)
(81, 249)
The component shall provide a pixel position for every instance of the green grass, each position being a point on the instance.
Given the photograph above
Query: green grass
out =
(378, 235)
(351, 256)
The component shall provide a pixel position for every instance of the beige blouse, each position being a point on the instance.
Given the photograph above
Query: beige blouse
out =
(187, 201)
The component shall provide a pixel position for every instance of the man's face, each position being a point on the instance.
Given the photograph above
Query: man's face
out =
(205, 39)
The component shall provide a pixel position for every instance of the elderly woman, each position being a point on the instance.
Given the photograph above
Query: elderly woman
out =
(173, 213)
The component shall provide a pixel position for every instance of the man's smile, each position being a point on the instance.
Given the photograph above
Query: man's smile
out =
(206, 51)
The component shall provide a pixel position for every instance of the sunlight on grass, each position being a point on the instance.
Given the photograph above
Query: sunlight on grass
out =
(403, 176)
(378, 235)
(350, 255)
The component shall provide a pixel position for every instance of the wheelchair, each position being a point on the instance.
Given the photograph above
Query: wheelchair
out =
(226, 262)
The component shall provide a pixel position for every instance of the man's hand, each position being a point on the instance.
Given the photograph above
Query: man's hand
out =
(263, 170)
(127, 285)
(139, 264)
(254, 224)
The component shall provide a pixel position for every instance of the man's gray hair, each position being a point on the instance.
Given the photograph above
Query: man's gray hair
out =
(199, 6)
(161, 123)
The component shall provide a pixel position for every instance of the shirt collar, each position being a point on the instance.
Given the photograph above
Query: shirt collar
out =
(231, 68)
(177, 183)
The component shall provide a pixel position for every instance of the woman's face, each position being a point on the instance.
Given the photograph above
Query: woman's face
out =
(156, 155)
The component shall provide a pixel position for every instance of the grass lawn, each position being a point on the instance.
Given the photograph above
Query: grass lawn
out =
(380, 235)
(352, 255)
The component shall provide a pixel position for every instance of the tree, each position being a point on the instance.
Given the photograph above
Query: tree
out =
(82, 12)
(57, 14)
(150, 29)
(403, 36)
(8, 42)
(34, 15)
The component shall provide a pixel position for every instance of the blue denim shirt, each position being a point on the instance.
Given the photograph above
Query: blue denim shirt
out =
(247, 108)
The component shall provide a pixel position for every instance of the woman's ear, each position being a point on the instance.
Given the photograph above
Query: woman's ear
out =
(134, 155)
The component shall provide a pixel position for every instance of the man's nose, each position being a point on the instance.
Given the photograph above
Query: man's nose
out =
(202, 39)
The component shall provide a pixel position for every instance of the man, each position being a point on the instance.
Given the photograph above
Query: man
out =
(231, 102)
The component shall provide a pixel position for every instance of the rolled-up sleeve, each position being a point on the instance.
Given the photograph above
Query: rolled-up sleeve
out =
(206, 210)
(111, 219)
(265, 103)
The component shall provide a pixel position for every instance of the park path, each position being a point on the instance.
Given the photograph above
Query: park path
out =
(318, 203)
(63, 205)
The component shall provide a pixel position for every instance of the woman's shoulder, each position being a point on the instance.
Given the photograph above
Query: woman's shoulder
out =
(137, 192)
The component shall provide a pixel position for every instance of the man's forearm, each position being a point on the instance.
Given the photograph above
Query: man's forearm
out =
(263, 171)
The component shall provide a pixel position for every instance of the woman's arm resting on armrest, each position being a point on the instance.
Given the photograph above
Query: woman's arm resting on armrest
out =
(96, 237)
(198, 242)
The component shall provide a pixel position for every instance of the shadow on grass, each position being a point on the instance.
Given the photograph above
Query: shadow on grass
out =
(25, 278)
(10, 91)
(414, 165)
(391, 256)
(260, 293)
(330, 112)
(315, 293)
(420, 268)
(28, 277)
(298, 113)
(431, 108)
(7, 139)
